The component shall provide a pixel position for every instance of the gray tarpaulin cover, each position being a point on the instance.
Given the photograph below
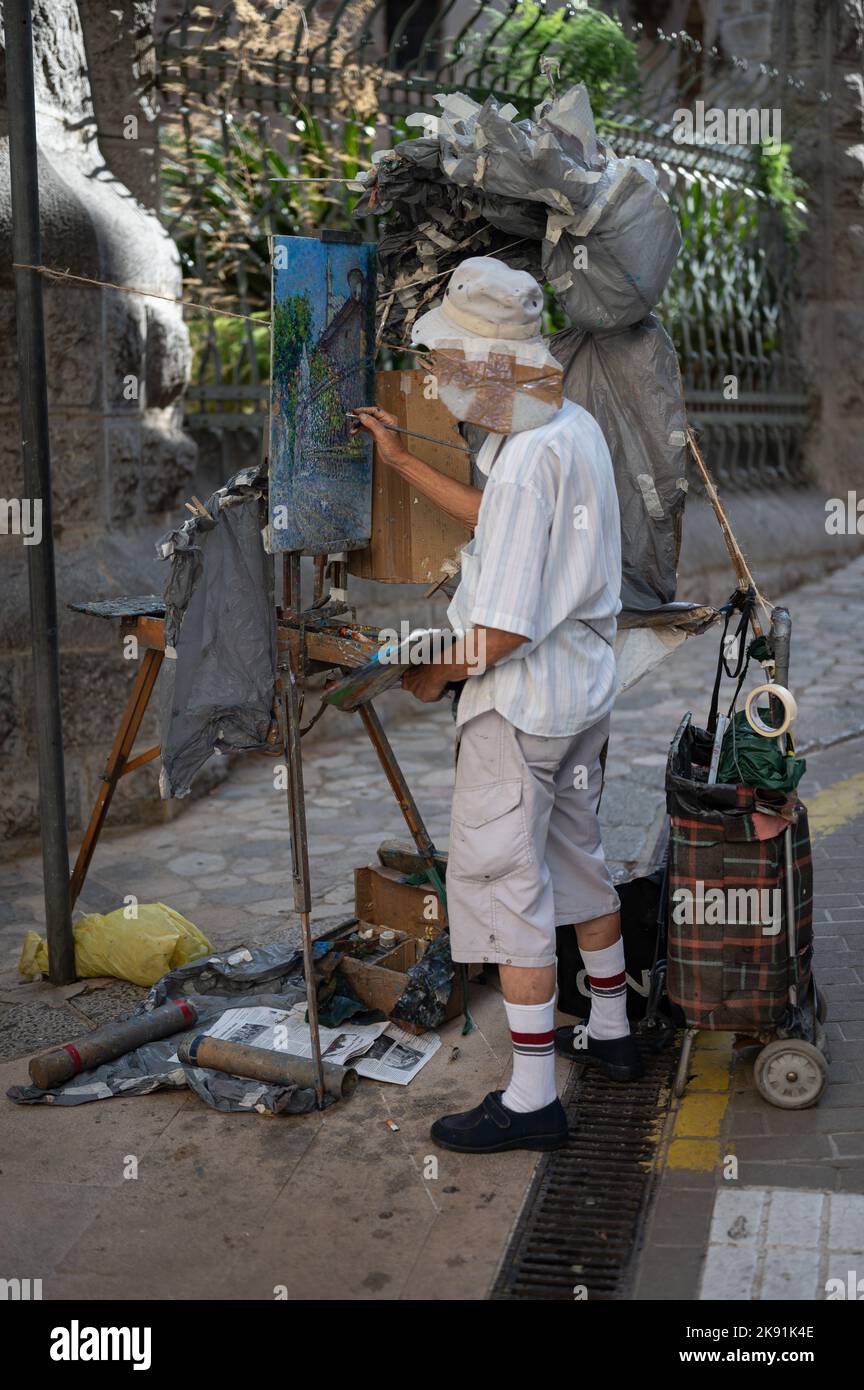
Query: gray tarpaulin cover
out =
(220, 633)
(264, 976)
(549, 196)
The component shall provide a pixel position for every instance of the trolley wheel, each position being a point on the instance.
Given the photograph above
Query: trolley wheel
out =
(821, 1004)
(790, 1073)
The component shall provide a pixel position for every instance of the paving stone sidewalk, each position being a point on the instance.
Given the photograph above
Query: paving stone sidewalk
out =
(225, 863)
(226, 858)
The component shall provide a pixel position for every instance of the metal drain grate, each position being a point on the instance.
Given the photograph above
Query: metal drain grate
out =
(583, 1212)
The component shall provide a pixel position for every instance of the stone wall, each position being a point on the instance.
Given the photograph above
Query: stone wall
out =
(117, 366)
(822, 43)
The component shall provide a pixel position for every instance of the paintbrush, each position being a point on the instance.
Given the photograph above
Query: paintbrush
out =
(397, 429)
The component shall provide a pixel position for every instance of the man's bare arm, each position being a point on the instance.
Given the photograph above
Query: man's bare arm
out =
(457, 499)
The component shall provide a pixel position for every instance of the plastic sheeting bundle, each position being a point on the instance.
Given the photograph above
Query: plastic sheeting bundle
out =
(220, 633)
(549, 196)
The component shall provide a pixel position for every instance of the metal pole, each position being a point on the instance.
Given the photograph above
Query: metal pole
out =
(781, 639)
(300, 860)
(33, 396)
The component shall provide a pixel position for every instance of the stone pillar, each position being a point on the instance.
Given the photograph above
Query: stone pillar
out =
(117, 366)
(823, 44)
(118, 40)
(744, 28)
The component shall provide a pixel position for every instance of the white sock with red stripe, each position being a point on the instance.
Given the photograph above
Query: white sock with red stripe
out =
(532, 1032)
(605, 971)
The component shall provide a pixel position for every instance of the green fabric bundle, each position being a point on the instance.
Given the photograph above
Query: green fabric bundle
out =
(757, 761)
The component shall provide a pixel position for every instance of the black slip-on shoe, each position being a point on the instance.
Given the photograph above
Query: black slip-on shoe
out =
(490, 1128)
(618, 1057)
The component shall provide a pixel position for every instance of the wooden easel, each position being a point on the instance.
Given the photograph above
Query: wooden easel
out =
(150, 635)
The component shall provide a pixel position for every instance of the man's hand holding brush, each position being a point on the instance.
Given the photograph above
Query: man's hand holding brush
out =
(457, 499)
(384, 430)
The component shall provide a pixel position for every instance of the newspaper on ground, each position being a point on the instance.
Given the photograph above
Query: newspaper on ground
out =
(380, 1051)
(387, 1052)
(285, 1030)
(397, 1056)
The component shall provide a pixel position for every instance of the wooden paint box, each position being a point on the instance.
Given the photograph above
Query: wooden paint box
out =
(383, 899)
(382, 896)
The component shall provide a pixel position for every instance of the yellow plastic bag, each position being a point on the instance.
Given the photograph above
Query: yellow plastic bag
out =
(141, 949)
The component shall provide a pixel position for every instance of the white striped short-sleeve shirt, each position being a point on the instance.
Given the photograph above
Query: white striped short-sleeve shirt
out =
(545, 561)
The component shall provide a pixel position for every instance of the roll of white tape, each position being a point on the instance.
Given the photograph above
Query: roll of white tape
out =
(755, 720)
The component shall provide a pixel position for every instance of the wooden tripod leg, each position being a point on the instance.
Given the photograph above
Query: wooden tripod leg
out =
(402, 792)
(290, 712)
(413, 819)
(136, 705)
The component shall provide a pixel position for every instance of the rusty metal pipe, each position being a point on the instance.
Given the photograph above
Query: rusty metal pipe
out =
(115, 1039)
(262, 1064)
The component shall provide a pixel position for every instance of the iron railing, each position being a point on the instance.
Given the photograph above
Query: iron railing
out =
(309, 94)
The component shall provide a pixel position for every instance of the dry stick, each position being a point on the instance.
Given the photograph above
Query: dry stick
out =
(440, 274)
(53, 274)
(129, 289)
(401, 347)
(67, 275)
(314, 178)
(745, 578)
(384, 318)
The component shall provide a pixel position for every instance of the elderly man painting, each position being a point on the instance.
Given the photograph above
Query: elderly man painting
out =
(540, 583)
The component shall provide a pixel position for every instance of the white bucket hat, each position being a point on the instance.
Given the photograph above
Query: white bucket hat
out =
(492, 365)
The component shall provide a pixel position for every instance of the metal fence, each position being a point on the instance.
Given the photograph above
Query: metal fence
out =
(252, 94)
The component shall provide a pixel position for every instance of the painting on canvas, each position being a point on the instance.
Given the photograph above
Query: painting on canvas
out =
(323, 357)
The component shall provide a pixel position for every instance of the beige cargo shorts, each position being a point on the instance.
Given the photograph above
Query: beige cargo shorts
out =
(525, 851)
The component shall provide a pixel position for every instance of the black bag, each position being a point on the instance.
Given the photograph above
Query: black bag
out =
(640, 905)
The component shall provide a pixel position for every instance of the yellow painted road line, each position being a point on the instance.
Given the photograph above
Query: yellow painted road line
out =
(694, 1143)
(696, 1155)
(836, 806)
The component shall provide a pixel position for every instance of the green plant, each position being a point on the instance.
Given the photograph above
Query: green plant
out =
(221, 205)
(783, 187)
(580, 45)
(225, 350)
(721, 304)
(223, 196)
